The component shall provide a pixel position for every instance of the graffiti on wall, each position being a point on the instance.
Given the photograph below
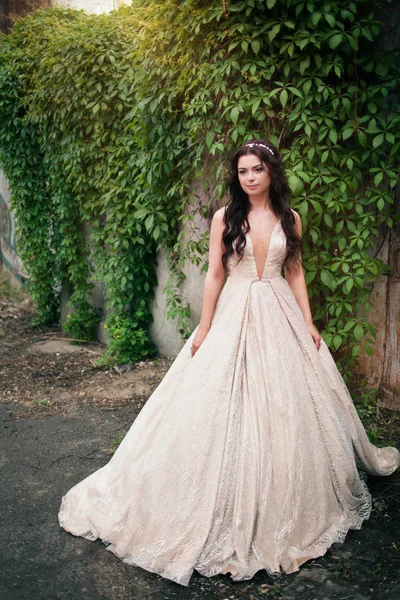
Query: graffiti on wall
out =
(8, 243)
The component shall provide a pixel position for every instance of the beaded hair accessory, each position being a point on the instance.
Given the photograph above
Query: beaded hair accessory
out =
(251, 144)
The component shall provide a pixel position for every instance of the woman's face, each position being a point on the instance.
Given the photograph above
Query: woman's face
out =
(254, 175)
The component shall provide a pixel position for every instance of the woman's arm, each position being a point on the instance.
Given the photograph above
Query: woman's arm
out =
(214, 281)
(296, 280)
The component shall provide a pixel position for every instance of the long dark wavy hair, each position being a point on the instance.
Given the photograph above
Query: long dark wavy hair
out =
(238, 207)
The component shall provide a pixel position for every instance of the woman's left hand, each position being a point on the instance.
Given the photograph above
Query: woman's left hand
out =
(315, 335)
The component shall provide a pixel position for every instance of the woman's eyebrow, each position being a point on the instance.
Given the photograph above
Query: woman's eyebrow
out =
(245, 169)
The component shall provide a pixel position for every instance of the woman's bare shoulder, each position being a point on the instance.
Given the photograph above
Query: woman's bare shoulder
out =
(219, 215)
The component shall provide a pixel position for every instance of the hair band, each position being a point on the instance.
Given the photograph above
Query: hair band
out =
(251, 144)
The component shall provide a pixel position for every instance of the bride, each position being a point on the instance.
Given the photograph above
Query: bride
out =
(247, 454)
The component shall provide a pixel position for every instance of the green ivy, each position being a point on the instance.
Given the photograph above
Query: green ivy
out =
(128, 342)
(22, 162)
(81, 324)
(131, 116)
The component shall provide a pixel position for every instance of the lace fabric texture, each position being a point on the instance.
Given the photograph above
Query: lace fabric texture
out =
(246, 456)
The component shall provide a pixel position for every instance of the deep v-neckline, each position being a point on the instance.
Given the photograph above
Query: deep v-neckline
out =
(268, 253)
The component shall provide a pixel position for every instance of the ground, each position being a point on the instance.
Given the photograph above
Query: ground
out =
(61, 417)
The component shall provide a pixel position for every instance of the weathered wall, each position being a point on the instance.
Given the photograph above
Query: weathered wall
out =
(164, 331)
(390, 383)
(92, 6)
(382, 370)
(9, 258)
(10, 8)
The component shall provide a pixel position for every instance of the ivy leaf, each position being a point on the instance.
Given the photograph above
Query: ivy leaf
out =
(335, 40)
(256, 106)
(333, 136)
(283, 97)
(255, 45)
(347, 133)
(304, 65)
(358, 332)
(141, 212)
(339, 226)
(317, 207)
(307, 86)
(149, 222)
(377, 141)
(390, 138)
(328, 279)
(346, 104)
(314, 235)
(337, 341)
(295, 91)
(310, 275)
(271, 3)
(234, 114)
(330, 19)
(351, 226)
(294, 183)
(362, 138)
(324, 156)
(274, 32)
(382, 69)
(210, 138)
(315, 18)
(348, 286)
(349, 324)
(303, 208)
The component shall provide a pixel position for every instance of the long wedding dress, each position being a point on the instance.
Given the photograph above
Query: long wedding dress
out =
(246, 456)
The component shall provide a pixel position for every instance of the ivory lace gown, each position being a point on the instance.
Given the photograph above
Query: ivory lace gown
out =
(245, 457)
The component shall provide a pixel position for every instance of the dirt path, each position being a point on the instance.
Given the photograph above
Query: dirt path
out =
(60, 418)
(43, 371)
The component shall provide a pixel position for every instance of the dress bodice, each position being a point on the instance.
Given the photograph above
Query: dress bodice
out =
(246, 268)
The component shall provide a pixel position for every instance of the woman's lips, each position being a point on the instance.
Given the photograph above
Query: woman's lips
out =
(251, 187)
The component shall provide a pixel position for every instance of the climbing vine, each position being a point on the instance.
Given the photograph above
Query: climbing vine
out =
(22, 162)
(131, 116)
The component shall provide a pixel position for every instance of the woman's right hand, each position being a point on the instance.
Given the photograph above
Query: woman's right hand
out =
(198, 339)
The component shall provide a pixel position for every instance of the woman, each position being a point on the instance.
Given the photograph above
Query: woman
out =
(245, 457)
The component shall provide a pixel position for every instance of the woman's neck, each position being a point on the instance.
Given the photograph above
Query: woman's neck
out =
(260, 203)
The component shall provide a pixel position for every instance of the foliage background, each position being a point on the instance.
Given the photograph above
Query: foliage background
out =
(108, 122)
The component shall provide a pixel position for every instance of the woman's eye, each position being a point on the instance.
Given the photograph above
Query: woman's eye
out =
(259, 170)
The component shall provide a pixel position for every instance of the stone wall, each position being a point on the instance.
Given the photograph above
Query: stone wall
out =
(91, 6)
(382, 370)
(11, 8)
(10, 261)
